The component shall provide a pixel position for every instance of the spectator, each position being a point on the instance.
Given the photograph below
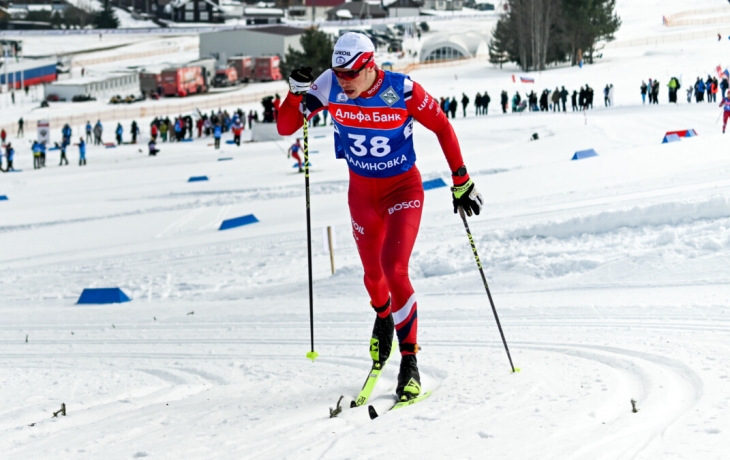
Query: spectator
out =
(610, 95)
(119, 133)
(62, 148)
(134, 131)
(485, 103)
(217, 132)
(464, 103)
(82, 151)
(88, 131)
(564, 97)
(453, 105)
(20, 127)
(3, 136)
(153, 132)
(152, 148)
(98, 130)
(478, 104)
(36, 149)
(237, 128)
(163, 131)
(644, 90)
(574, 100)
(9, 155)
(555, 99)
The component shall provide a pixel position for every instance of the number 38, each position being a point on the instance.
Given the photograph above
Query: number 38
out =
(378, 145)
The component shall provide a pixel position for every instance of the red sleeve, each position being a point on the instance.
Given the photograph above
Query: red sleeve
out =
(290, 117)
(427, 111)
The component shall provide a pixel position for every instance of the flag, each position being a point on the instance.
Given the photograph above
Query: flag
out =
(527, 80)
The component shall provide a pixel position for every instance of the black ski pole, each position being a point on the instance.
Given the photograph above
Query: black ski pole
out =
(486, 286)
(311, 354)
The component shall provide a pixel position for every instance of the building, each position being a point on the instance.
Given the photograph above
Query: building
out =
(101, 87)
(311, 10)
(443, 5)
(356, 10)
(195, 11)
(254, 15)
(403, 8)
(259, 41)
(446, 46)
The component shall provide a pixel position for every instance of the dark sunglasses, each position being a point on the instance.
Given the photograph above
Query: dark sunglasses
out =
(351, 74)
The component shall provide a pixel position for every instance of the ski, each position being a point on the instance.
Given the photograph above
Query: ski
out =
(369, 386)
(373, 375)
(399, 404)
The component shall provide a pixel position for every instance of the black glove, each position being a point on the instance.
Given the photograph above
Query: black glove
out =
(300, 80)
(468, 197)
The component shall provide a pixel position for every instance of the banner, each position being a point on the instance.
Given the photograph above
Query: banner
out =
(44, 132)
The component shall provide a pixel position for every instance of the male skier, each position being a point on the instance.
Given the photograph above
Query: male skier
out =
(725, 104)
(373, 112)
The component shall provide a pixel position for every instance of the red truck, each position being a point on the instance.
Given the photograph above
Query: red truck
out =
(243, 66)
(182, 81)
(267, 68)
(225, 77)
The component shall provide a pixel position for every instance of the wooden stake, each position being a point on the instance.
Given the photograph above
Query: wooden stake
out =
(332, 251)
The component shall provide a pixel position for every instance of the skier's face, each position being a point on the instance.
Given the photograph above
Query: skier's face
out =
(354, 85)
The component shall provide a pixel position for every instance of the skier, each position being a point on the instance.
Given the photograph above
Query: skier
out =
(725, 104)
(119, 132)
(294, 152)
(373, 112)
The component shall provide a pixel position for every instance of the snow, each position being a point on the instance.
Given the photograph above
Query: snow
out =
(610, 276)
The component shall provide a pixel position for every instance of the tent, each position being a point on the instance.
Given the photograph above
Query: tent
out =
(238, 222)
(102, 296)
(579, 155)
(671, 138)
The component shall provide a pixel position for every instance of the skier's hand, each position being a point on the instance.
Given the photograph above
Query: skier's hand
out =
(300, 80)
(468, 197)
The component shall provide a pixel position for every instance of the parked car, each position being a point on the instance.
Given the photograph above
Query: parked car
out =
(82, 98)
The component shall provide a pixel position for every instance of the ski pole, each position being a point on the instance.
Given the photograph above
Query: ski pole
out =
(311, 354)
(486, 286)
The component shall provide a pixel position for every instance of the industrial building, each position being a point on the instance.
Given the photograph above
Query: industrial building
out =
(255, 42)
(101, 87)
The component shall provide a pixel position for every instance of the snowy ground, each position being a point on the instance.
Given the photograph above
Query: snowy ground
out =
(610, 275)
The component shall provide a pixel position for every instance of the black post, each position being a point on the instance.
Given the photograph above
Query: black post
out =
(311, 354)
(486, 286)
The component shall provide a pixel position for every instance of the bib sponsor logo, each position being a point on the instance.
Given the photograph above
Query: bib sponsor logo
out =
(405, 205)
(375, 87)
(389, 96)
(357, 227)
(368, 117)
(424, 103)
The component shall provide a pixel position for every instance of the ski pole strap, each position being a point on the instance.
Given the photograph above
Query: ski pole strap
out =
(382, 309)
(409, 347)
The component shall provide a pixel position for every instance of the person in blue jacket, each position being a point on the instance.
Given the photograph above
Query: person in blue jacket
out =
(9, 155)
(119, 132)
(36, 148)
(82, 152)
(217, 131)
(88, 131)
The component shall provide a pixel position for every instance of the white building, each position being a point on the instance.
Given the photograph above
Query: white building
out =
(101, 87)
(255, 42)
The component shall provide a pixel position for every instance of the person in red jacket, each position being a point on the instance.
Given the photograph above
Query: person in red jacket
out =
(373, 113)
(725, 104)
(237, 128)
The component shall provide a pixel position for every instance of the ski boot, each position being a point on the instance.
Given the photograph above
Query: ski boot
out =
(409, 380)
(381, 342)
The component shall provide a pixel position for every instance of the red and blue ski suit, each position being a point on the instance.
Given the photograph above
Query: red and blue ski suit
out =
(374, 134)
(725, 104)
